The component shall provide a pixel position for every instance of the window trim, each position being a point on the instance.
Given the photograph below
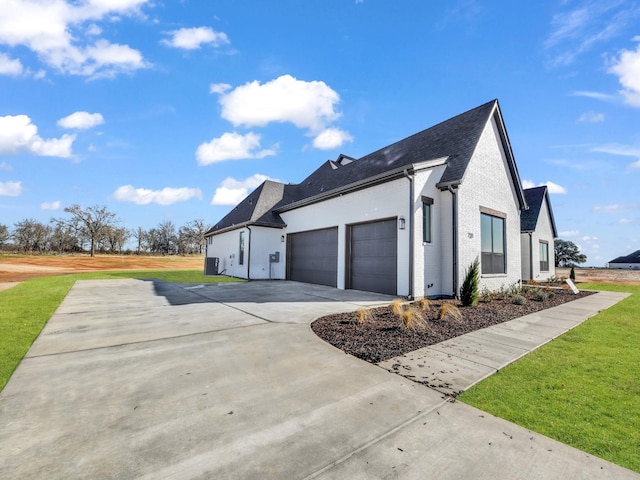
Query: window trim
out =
(489, 260)
(241, 248)
(427, 215)
(542, 262)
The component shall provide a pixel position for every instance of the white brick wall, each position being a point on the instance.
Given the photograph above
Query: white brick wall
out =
(487, 183)
(543, 232)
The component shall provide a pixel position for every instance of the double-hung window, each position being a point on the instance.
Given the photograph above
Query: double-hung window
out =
(427, 204)
(493, 255)
(544, 256)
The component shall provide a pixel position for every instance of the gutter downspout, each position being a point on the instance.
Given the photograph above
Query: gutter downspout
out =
(454, 215)
(249, 255)
(411, 233)
(530, 255)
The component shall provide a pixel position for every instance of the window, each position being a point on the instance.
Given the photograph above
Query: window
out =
(241, 256)
(544, 256)
(492, 244)
(426, 219)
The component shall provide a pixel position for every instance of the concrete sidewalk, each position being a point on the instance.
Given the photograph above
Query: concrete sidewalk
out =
(137, 379)
(455, 365)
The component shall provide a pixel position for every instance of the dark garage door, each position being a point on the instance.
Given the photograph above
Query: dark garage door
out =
(373, 257)
(312, 257)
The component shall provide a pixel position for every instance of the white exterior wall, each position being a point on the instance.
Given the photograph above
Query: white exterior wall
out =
(265, 241)
(543, 232)
(382, 201)
(625, 266)
(525, 249)
(487, 183)
(226, 246)
(432, 260)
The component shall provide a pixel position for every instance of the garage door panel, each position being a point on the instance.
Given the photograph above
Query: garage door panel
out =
(373, 257)
(313, 256)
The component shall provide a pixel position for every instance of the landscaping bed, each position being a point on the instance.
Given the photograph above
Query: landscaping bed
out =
(379, 334)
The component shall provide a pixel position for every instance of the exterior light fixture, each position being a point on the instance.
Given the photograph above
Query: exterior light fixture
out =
(401, 223)
(282, 238)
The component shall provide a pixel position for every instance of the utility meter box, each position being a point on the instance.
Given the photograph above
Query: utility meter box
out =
(274, 257)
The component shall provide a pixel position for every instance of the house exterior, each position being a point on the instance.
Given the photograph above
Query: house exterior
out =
(628, 262)
(405, 220)
(538, 231)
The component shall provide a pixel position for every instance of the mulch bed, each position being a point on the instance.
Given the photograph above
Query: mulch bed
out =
(382, 336)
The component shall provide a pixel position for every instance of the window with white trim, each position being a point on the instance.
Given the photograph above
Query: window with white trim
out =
(544, 256)
(241, 255)
(427, 203)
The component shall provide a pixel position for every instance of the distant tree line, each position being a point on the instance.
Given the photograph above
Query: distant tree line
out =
(96, 229)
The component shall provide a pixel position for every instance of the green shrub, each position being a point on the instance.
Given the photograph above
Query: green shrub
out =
(539, 296)
(572, 274)
(518, 300)
(469, 289)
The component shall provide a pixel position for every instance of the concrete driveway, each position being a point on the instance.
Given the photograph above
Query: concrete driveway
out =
(141, 379)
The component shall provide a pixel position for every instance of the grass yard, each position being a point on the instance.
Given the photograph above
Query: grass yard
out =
(26, 308)
(582, 389)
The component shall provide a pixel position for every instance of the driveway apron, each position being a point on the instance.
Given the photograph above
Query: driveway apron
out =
(146, 379)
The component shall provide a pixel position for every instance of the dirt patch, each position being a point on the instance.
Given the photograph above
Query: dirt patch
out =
(382, 336)
(17, 268)
(602, 275)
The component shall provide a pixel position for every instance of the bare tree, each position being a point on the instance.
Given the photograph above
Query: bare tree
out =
(115, 238)
(30, 235)
(92, 221)
(4, 234)
(141, 237)
(191, 237)
(163, 239)
(64, 237)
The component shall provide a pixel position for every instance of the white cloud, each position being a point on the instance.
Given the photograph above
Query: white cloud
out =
(621, 150)
(232, 146)
(56, 31)
(587, 238)
(591, 117)
(608, 208)
(627, 221)
(11, 189)
(5, 166)
(194, 38)
(81, 120)
(308, 105)
(10, 66)
(232, 191)
(51, 205)
(18, 134)
(605, 97)
(627, 69)
(569, 233)
(219, 87)
(166, 196)
(551, 187)
(331, 138)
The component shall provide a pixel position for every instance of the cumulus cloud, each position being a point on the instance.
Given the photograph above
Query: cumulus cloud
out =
(591, 117)
(219, 87)
(51, 205)
(11, 189)
(232, 191)
(59, 32)
(331, 138)
(81, 120)
(166, 196)
(10, 66)
(18, 135)
(232, 146)
(551, 186)
(627, 68)
(194, 38)
(308, 105)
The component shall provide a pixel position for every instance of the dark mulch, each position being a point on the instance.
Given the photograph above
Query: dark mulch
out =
(383, 337)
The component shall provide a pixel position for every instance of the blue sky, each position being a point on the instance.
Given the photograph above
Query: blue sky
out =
(175, 110)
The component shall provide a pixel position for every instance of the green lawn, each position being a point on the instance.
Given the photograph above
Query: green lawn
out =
(26, 308)
(582, 389)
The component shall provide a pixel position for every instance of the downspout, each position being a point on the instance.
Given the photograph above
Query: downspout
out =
(411, 233)
(530, 255)
(249, 255)
(454, 215)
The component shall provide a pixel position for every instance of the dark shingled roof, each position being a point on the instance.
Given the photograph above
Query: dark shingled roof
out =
(454, 139)
(529, 218)
(632, 258)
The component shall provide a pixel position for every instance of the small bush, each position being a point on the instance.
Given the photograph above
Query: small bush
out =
(469, 289)
(449, 311)
(486, 295)
(572, 274)
(412, 319)
(398, 306)
(550, 295)
(424, 304)
(539, 296)
(518, 300)
(364, 315)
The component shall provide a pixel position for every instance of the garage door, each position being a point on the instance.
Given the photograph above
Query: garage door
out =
(373, 257)
(312, 257)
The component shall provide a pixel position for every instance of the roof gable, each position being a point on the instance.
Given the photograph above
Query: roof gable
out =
(529, 218)
(631, 258)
